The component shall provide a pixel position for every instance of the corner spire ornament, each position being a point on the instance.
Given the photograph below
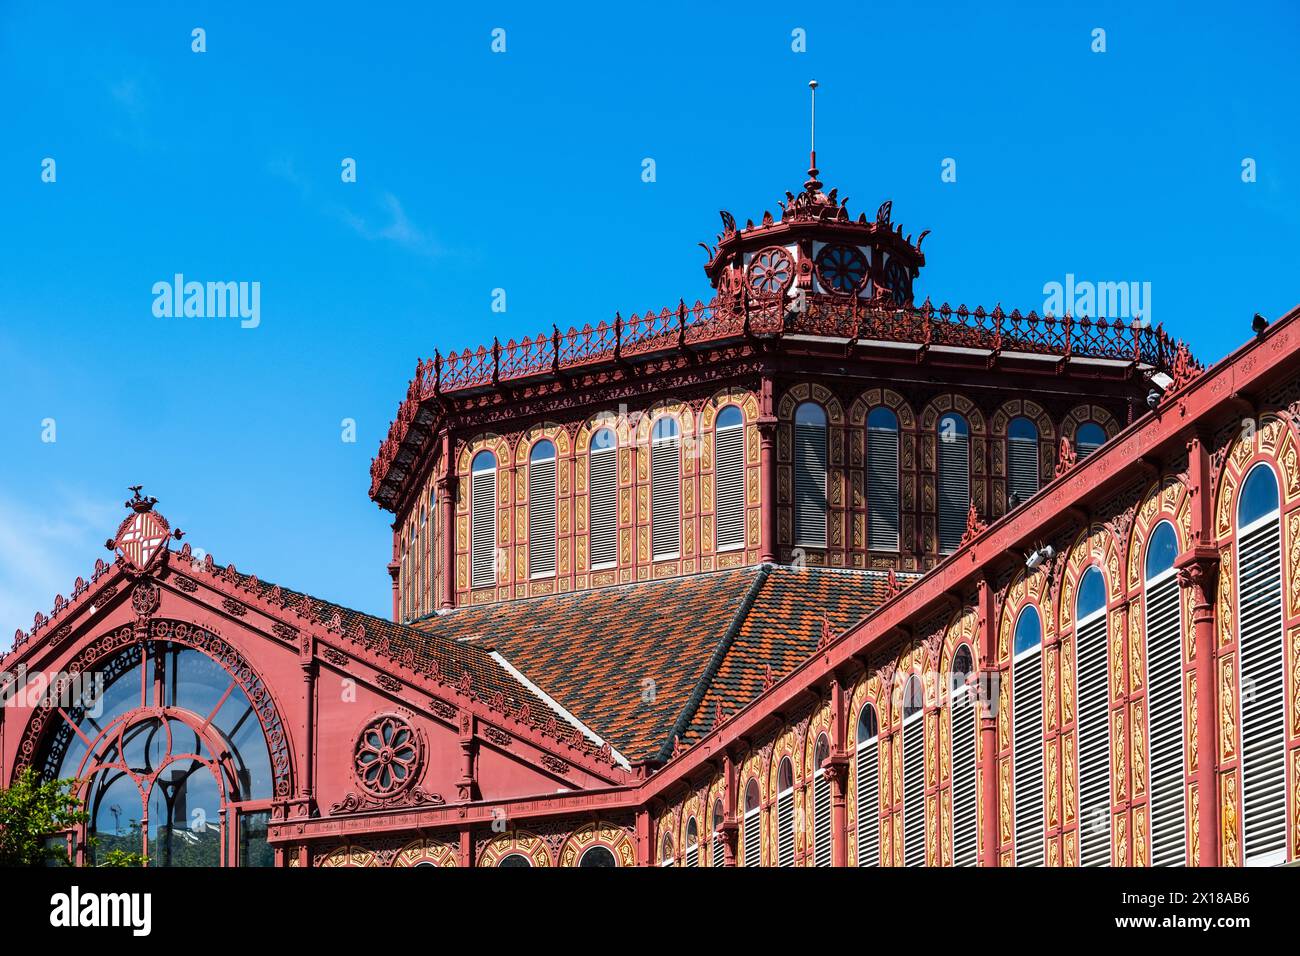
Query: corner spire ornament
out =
(144, 533)
(813, 184)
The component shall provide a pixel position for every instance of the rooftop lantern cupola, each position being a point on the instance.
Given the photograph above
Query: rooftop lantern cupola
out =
(816, 248)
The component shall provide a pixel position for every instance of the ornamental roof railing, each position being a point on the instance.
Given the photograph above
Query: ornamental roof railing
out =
(729, 317)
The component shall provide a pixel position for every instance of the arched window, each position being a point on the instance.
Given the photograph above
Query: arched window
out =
(541, 510)
(1262, 670)
(821, 805)
(1022, 461)
(603, 499)
(729, 478)
(404, 578)
(421, 560)
(597, 856)
(785, 814)
(867, 762)
(666, 851)
(483, 520)
(1088, 438)
(810, 459)
(1092, 694)
(665, 489)
(1027, 737)
(882, 480)
(962, 727)
(691, 853)
(515, 859)
(718, 855)
(169, 737)
(753, 826)
(430, 547)
(1164, 649)
(913, 773)
(954, 480)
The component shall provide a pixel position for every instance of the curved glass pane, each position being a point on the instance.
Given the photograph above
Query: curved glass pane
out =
(952, 425)
(1258, 495)
(883, 419)
(515, 859)
(751, 795)
(730, 417)
(484, 461)
(867, 725)
(1092, 594)
(603, 439)
(597, 856)
(692, 832)
(544, 450)
(913, 697)
(116, 812)
(185, 817)
(664, 428)
(962, 665)
(1162, 548)
(1029, 630)
(810, 413)
(785, 775)
(1022, 428)
(821, 751)
(1090, 433)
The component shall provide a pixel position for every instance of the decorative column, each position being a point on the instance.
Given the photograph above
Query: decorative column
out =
(730, 826)
(836, 768)
(467, 784)
(989, 689)
(767, 467)
(306, 777)
(446, 485)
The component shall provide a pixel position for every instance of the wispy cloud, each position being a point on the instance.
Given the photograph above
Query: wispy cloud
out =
(43, 551)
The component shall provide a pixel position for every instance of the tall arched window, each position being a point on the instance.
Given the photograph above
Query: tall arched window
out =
(962, 727)
(821, 814)
(913, 773)
(729, 478)
(1088, 438)
(666, 851)
(421, 553)
(404, 577)
(541, 510)
(483, 520)
(515, 860)
(954, 480)
(1027, 737)
(1022, 461)
(1262, 674)
(602, 498)
(753, 825)
(665, 489)
(1092, 696)
(1164, 648)
(597, 856)
(785, 814)
(170, 759)
(810, 459)
(718, 855)
(691, 852)
(867, 762)
(882, 480)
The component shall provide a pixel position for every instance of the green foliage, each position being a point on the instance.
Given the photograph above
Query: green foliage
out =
(32, 812)
(122, 858)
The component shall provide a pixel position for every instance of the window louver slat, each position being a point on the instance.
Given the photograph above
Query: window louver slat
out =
(954, 490)
(729, 486)
(810, 485)
(665, 497)
(1092, 689)
(868, 804)
(603, 507)
(541, 518)
(785, 828)
(965, 797)
(1263, 696)
(914, 790)
(753, 831)
(1022, 459)
(821, 820)
(1165, 722)
(719, 855)
(882, 489)
(483, 529)
(1027, 757)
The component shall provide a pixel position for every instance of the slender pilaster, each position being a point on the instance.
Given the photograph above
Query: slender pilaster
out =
(767, 466)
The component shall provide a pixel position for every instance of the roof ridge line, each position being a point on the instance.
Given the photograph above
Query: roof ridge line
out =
(715, 661)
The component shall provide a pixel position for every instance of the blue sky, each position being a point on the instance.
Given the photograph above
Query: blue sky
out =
(522, 171)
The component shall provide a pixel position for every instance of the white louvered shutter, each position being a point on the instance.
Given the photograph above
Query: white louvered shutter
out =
(691, 855)
(954, 490)
(483, 529)
(719, 852)
(1165, 721)
(665, 497)
(882, 489)
(821, 819)
(1085, 448)
(753, 835)
(809, 485)
(1022, 468)
(541, 518)
(1263, 694)
(1092, 685)
(1027, 755)
(914, 789)
(729, 486)
(868, 800)
(965, 798)
(603, 507)
(785, 828)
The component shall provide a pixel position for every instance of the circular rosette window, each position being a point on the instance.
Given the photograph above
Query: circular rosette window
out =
(770, 271)
(841, 269)
(899, 282)
(388, 756)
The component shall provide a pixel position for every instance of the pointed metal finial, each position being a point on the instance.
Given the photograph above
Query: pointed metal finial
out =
(812, 185)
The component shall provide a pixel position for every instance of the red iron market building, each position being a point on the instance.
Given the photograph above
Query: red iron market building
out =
(811, 574)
